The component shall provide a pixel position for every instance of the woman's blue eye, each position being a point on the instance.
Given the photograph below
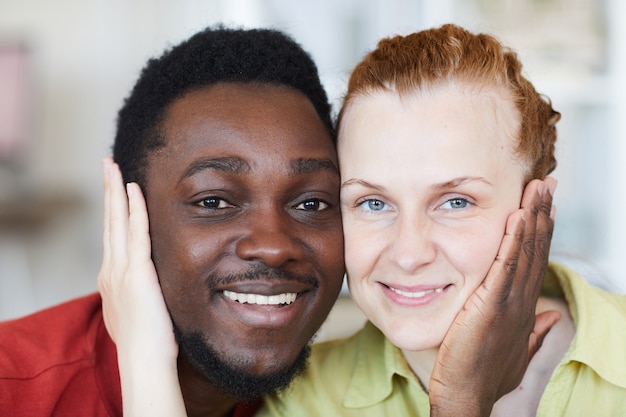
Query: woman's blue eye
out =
(373, 204)
(456, 203)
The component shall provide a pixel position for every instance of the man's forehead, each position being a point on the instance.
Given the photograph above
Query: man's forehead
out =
(234, 164)
(244, 132)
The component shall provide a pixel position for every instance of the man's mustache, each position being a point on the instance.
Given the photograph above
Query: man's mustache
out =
(258, 272)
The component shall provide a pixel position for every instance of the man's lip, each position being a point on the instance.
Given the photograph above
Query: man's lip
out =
(267, 287)
(269, 316)
(260, 299)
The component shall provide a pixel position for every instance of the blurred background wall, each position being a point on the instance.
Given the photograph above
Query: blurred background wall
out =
(66, 66)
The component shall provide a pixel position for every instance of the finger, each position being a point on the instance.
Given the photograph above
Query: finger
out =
(118, 220)
(531, 207)
(502, 273)
(544, 226)
(106, 238)
(546, 214)
(530, 274)
(138, 233)
(543, 323)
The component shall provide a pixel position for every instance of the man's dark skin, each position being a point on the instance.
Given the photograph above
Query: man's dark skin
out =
(248, 179)
(247, 182)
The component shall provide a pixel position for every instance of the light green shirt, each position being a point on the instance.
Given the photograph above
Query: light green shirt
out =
(365, 375)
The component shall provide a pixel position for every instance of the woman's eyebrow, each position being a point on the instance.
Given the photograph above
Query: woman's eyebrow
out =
(367, 184)
(456, 182)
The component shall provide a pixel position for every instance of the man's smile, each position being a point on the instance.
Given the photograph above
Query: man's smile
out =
(250, 298)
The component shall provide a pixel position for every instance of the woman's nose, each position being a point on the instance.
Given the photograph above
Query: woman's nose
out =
(412, 245)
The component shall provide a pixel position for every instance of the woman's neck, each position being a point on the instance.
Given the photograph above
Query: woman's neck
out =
(537, 375)
(422, 363)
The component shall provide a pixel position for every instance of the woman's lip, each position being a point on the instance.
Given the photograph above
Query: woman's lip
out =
(414, 296)
(415, 288)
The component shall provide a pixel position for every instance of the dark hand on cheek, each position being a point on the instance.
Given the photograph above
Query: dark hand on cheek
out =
(489, 345)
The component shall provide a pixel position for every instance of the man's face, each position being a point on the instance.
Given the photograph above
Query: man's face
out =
(245, 223)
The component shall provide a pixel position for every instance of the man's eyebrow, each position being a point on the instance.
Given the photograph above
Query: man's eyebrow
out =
(303, 166)
(224, 164)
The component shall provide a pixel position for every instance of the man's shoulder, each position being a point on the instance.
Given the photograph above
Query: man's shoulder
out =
(56, 335)
(59, 361)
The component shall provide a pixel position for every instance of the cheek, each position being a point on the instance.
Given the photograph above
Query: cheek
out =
(329, 255)
(183, 258)
(172, 251)
(361, 249)
(475, 252)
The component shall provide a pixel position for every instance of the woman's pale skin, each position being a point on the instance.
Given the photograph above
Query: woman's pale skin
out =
(146, 347)
(148, 367)
(427, 187)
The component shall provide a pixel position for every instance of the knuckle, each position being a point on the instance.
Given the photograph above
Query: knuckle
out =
(529, 246)
(510, 266)
(543, 243)
(545, 207)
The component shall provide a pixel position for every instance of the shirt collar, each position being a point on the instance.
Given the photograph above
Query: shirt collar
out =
(600, 326)
(367, 387)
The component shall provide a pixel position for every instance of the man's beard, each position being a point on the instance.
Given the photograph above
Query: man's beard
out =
(232, 378)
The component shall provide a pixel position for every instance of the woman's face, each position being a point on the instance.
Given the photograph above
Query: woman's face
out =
(428, 182)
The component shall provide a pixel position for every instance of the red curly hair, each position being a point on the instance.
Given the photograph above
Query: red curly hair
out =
(450, 54)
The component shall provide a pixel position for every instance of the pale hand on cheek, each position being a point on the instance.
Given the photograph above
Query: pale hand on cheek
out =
(133, 307)
(489, 345)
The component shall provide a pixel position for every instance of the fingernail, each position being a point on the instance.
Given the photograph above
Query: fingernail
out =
(106, 167)
(541, 189)
(552, 185)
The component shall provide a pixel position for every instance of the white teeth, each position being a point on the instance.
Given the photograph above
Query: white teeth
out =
(284, 298)
(415, 294)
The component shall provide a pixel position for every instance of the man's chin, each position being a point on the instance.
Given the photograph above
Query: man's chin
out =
(233, 375)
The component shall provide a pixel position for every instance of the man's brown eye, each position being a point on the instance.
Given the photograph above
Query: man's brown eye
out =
(214, 203)
(312, 205)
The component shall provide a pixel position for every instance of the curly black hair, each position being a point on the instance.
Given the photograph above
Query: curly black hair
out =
(214, 55)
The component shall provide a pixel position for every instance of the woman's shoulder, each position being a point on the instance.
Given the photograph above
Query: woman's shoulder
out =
(319, 390)
(336, 353)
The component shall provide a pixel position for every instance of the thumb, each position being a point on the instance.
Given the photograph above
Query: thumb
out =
(543, 323)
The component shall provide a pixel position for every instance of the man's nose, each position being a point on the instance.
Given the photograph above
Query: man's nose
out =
(270, 237)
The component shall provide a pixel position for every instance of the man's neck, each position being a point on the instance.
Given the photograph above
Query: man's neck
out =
(201, 398)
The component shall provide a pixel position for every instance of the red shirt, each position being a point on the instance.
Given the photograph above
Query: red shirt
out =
(62, 362)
